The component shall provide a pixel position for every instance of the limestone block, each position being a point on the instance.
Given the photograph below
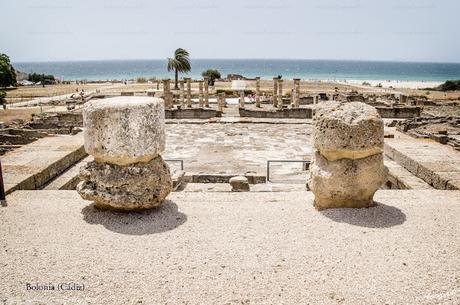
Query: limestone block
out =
(239, 184)
(125, 187)
(346, 182)
(347, 130)
(124, 130)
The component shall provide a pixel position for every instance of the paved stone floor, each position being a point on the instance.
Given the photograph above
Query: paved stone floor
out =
(233, 248)
(238, 148)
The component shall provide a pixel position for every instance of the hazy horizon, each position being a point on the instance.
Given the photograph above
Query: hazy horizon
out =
(216, 58)
(394, 30)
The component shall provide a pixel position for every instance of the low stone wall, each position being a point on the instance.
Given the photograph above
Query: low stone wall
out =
(62, 122)
(306, 100)
(407, 112)
(287, 113)
(192, 113)
(221, 178)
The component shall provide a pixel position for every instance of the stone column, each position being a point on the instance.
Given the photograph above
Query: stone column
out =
(275, 92)
(167, 93)
(200, 94)
(181, 94)
(347, 163)
(280, 94)
(258, 92)
(296, 92)
(189, 92)
(403, 99)
(242, 99)
(220, 102)
(206, 91)
(126, 136)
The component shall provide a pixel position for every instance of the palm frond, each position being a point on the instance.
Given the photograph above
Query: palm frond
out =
(180, 62)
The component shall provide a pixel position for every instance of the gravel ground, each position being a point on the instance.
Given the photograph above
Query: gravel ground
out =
(232, 248)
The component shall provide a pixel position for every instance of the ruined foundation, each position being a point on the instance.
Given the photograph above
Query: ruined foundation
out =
(125, 136)
(347, 165)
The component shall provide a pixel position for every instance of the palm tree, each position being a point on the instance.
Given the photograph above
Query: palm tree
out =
(180, 63)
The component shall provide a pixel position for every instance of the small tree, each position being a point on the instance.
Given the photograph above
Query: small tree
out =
(2, 99)
(7, 72)
(212, 75)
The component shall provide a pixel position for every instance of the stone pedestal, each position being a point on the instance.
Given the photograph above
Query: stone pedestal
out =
(347, 165)
(206, 91)
(189, 92)
(275, 92)
(258, 92)
(125, 135)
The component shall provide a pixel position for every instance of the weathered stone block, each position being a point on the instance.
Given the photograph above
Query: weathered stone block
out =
(347, 130)
(126, 136)
(135, 186)
(346, 183)
(239, 184)
(347, 166)
(124, 130)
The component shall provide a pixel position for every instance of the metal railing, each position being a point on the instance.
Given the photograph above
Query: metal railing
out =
(176, 160)
(2, 187)
(306, 164)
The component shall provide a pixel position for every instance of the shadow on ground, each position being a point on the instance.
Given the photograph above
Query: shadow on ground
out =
(378, 216)
(157, 220)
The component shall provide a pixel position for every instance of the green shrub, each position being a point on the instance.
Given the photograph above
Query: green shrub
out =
(141, 80)
(450, 85)
(44, 79)
(212, 75)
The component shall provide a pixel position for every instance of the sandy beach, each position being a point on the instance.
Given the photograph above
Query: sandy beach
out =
(402, 84)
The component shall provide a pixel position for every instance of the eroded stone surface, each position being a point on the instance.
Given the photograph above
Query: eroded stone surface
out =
(346, 182)
(124, 130)
(135, 186)
(347, 130)
(347, 165)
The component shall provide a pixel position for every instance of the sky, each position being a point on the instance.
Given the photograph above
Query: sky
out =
(400, 30)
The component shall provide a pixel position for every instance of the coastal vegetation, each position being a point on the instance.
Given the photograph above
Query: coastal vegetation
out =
(42, 78)
(212, 75)
(7, 72)
(180, 63)
(449, 85)
(3, 98)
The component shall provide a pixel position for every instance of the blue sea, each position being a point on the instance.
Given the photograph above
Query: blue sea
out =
(265, 68)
